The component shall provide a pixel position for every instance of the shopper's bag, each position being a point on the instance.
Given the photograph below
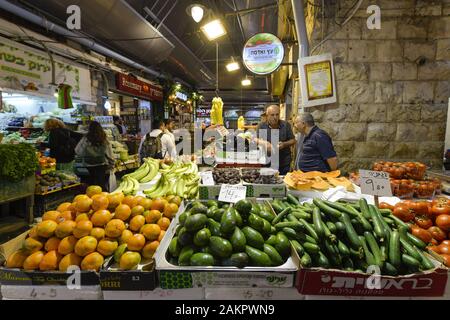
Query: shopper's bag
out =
(112, 185)
(152, 147)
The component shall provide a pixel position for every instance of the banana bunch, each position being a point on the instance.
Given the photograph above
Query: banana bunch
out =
(159, 189)
(217, 111)
(128, 186)
(150, 168)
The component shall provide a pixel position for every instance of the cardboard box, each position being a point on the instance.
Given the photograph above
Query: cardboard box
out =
(143, 279)
(19, 277)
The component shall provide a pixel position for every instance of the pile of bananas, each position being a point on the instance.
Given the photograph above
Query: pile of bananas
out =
(146, 173)
(178, 178)
(216, 111)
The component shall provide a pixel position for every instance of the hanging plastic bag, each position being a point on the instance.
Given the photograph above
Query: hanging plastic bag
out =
(112, 182)
(65, 96)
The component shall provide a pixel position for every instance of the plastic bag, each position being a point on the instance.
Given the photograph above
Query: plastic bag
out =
(112, 182)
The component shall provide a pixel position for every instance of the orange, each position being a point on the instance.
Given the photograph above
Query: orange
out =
(93, 190)
(169, 198)
(151, 231)
(122, 212)
(50, 261)
(64, 207)
(65, 228)
(177, 200)
(137, 210)
(31, 245)
(92, 261)
(80, 197)
(126, 234)
(82, 229)
(149, 249)
(16, 259)
(158, 204)
(161, 235)
(65, 216)
(70, 259)
(51, 215)
(67, 245)
(139, 199)
(114, 200)
(170, 210)
(164, 223)
(129, 260)
(107, 247)
(85, 246)
(153, 216)
(136, 223)
(131, 201)
(52, 244)
(33, 233)
(98, 233)
(32, 261)
(83, 204)
(136, 242)
(99, 202)
(101, 218)
(146, 203)
(114, 228)
(46, 228)
(81, 217)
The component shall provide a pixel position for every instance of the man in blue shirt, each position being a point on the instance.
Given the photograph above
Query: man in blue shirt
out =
(315, 152)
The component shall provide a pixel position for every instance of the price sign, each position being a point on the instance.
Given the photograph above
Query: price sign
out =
(267, 172)
(232, 193)
(207, 178)
(376, 183)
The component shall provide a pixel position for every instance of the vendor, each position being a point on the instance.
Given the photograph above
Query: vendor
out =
(315, 151)
(118, 122)
(286, 137)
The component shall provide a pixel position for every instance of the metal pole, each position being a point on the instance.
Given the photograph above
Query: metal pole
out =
(300, 26)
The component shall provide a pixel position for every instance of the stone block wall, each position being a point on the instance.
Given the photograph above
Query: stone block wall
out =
(393, 84)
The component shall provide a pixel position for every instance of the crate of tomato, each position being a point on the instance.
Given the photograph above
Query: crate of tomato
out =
(402, 170)
(428, 221)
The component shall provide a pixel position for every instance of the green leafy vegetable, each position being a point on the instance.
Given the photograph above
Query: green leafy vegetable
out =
(17, 161)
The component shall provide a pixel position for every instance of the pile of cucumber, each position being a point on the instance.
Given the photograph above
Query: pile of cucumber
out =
(217, 234)
(350, 236)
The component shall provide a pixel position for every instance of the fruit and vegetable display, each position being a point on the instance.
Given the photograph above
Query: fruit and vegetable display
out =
(429, 221)
(226, 176)
(170, 178)
(55, 180)
(95, 226)
(315, 180)
(17, 161)
(255, 176)
(217, 234)
(402, 170)
(13, 138)
(46, 163)
(350, 237)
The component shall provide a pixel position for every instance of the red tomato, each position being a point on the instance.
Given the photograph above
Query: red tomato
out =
(434, 242)
(441, 200)
(422, 234)
(384, 205)
(419, 207)
(444, 249)
(423, 221)
(437, 233)
(434, 248)
(446, 242)
(403, 213)
(446, 258)
(439, 208)
(443, 222)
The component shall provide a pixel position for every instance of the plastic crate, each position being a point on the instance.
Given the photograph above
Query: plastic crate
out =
(10, 191)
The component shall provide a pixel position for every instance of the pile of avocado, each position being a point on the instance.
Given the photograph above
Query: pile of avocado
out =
(220, 234)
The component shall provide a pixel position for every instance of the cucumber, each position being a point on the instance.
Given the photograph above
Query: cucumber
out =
(394, 249)
(327, 233)
(360, 217)
(301, 214)
(384, 251)
(340, 207)
(364, 208)
(253, 237)
(202, 259)
(195, 222)
(386, 212)
(317, 223)
(357, 254)
(297, 247)
(305, 260)
(311, 248)
(399, 222)
(389, 221)
(377, 224)
(258, 257)
(239, 260)
(309, 229)
(281, 215)
(297, 226)
(410, 249)
(329, 211)
(322, 260)
(347, 263)
(291, 218)
(370, 259)
(277, 208)
(283, 246)
(389, 269)
(410, 262)
(350, 231)
(220, 247)
(238, 240)
(340, 227)
(331, 226)
(357, 225)
(290, 233)
(416, 241)
(425, 262)
(273, 255)
(387, 229)
(290, 198)
(373, 245)
(343, 249)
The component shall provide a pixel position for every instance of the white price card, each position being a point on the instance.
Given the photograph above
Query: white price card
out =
(207, 178)
(376, 183)
(267, 171)
(232, 193)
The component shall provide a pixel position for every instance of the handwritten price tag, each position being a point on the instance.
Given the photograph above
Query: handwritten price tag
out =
(376, 183)
(207, 178)
(267, 172)
(232, 193)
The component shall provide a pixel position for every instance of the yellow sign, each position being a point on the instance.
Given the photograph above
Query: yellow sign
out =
(319, 80)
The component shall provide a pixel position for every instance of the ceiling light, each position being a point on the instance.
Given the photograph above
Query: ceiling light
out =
(214, 29)
(232, 66)
(246, 82)
(196, 11)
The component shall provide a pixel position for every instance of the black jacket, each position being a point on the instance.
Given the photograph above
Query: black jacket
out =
(61, 139)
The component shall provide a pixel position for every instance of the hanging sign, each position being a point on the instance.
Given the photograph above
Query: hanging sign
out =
(23, 68)
(317, 80)
(263, 53)
(203, 113)
(182, 96)
(136, 87)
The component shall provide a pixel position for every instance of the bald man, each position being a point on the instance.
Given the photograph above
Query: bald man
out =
(286, 137)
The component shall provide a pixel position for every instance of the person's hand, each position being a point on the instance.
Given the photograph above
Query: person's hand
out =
(281, 145)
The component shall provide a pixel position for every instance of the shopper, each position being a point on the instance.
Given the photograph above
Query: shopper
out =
(62, 143)
(154, 144)
(316, 151)
(118, 122)
(285, 136)
(169, 138)
(96, 154)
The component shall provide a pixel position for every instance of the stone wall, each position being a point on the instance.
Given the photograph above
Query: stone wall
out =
(393, 84)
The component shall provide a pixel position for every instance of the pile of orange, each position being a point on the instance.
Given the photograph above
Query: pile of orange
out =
(92, 227)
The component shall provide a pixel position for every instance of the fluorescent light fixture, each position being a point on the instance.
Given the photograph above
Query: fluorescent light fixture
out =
(214, 29)
(107, 105)
(232, 66)
(197, 12)
(246, 82)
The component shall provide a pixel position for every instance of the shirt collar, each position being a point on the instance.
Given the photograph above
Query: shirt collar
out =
(279, 126)
(314, 128)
